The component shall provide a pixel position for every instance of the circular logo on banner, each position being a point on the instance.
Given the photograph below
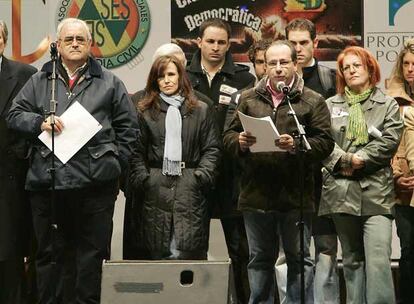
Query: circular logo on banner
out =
(119, 28)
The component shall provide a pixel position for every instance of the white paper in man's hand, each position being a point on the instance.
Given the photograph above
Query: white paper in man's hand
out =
(79, 127)
(264, 130)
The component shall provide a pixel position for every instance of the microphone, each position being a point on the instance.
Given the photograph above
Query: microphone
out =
(282, 87)
(53, 50)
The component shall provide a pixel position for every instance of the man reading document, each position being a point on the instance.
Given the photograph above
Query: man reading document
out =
(270, 194)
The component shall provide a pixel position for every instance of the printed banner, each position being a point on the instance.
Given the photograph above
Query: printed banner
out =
(125, 33)
(339, 23)
(386, 30)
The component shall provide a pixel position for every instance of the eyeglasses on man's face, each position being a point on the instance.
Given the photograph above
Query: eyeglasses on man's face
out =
(68, 40)
(274, 63)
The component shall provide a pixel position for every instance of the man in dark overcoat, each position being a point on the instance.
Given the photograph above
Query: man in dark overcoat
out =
(14, 206)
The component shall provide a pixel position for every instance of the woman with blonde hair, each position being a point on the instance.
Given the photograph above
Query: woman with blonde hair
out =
(401, 87)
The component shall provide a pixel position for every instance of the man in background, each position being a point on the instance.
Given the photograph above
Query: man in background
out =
(256, 57)
(213, 73)
(302, 34)
(15, 222)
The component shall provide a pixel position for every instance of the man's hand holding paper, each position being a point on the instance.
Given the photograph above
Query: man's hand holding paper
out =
(285, 142)
(259, 134)
(46, 126)
(80, 127)
(246, 140)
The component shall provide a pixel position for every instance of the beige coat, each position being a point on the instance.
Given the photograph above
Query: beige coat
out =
(399, 163)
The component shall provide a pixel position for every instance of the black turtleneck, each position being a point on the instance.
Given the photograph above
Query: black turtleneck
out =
(313, 82)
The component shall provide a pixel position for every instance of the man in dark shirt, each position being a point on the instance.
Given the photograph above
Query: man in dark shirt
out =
(14, 204)
(213, 73)
(302, 34)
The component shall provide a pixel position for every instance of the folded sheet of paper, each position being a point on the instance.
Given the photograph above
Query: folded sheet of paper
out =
(79, 127)
(264, 130)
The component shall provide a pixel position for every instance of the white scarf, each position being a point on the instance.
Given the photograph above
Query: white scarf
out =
(171, 164)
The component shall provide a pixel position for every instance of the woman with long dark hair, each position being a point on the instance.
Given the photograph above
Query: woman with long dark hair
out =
(178, 150)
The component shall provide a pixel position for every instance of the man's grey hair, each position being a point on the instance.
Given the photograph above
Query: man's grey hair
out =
(4, 31)
(67, 21)
(168, 49)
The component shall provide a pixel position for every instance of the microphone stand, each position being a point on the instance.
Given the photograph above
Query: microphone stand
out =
(52, 171)
(302, 147)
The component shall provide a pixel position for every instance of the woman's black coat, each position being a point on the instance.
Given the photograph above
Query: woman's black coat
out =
(175, 204)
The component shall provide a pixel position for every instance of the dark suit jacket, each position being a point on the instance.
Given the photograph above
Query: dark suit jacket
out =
(14, 206)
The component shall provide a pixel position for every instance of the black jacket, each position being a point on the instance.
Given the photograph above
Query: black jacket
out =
(321, 79)
(133, 237)
(223, 198)
(236, 76)
(14, 205)
(175, 203)
(103, 157)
